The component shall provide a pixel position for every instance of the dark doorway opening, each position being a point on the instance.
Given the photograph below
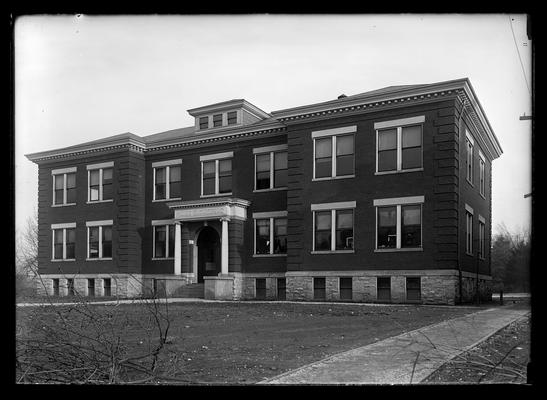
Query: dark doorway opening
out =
(208, 253)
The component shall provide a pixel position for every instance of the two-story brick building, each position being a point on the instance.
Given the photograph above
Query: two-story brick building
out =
(383, 196)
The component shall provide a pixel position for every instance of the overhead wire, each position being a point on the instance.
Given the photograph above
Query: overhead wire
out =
(518, 53)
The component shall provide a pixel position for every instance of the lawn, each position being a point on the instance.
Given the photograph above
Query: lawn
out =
(224, 342)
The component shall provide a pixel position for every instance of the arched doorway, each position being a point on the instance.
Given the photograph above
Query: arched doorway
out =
(208, 244)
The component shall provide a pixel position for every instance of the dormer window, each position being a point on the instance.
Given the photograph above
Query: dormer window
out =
(230, 113)
(217, 120)
(204, 123)
(232, 118)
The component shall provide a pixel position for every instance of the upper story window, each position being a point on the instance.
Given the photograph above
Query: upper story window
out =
(203, 122)
(100, 182)
(232, 117)
(482, 165)
(399, 145)
(216, 174)
(167, 180)
(482, 226)
(399, 223)
(217, 120)
(63, 241)
(270, 167)
(333, 226)
(334, 152)
(469, 144)
(270, 232)
(99, 240)
(64, 186)
(164, 239)
(468, 230)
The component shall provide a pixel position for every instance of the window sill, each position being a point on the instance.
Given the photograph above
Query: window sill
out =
(204, 196)
(99, 201)
(332, 252)
(99, 259)
(269, 255)
(63, 205)
(270, 190)
(394, 250)
(164, 200)
(403, 171)
(330, 178)
(63, 260)
(163, 258)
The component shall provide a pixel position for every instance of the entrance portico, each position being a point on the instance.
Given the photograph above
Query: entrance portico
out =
(223, 209)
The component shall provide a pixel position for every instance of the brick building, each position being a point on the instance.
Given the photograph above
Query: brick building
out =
(383, 196)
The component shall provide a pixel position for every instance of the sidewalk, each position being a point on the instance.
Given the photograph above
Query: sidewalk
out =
(407, 358)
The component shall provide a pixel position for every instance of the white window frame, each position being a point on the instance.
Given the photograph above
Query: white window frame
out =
(167, 165)
(482, 173)
(166, 224)
(100, 225)
(333, 133)
(216, 158)
(64, 172)
(271, 216)
(100, 167)
(271, 150)
(469, 167)
(398, 202)
(469, 230)
(333, 207)
(399, 124)
(64, 227)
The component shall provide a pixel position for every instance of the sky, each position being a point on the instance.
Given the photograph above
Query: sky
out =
(80, 78)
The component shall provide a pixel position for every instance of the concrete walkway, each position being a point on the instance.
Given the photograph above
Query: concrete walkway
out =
(407, 358)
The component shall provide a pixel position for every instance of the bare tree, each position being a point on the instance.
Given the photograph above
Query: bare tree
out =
(26, 257)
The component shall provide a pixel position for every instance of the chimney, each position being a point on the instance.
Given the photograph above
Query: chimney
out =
(342, 96)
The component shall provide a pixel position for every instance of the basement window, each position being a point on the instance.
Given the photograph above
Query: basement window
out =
(319, 289)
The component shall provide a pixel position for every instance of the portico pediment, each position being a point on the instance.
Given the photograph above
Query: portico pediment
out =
(206, 209)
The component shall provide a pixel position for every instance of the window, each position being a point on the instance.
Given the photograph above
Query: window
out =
(469, 231)
(413, 289)
(482, 164)
(270, 168)
(346, 288)
(99, 243)
(268, 240)
(469, 143)
(333, 220)
(107, 287)
(319, 289)
(203, 122)
(70, 287)
(91, 287)
(260, 287)
(56, 287)
(167, 180)
(64, 186)
(232, 117)
(217, 120)
(164, 241)
(334, 155)
(383, 288)
(216, 174)
(63, 241)
(281, 289)
(399, 145)
(399, 223)
(482, 226)
(100, 182)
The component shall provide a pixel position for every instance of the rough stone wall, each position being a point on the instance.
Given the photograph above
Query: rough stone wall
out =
(299, 288)
(332, 288)
(438, 289)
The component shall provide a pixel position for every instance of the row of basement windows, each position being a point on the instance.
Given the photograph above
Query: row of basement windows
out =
(71, 291)
(383, 288)
(399, 149)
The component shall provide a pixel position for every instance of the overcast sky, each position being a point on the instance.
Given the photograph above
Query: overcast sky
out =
(81, 78)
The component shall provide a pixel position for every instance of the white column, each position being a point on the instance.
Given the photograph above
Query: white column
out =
(224, 249)
(178, 249)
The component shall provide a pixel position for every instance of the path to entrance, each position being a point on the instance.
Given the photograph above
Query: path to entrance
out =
(406, 358)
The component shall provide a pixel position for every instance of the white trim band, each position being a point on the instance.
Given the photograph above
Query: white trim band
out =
(166, 163)
(217, 156)
(469, 137)
(481, 219)
(399, 122)
(65, 225)
(399, 200)
(481, 156)
(267, 149)
(63, 171)
(99, 223)
(468, 208)
(334, 206)
(162, 222)
(334, 131)
(270, 214)
(107, 164)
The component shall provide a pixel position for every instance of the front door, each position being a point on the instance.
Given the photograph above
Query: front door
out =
(208, 253)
